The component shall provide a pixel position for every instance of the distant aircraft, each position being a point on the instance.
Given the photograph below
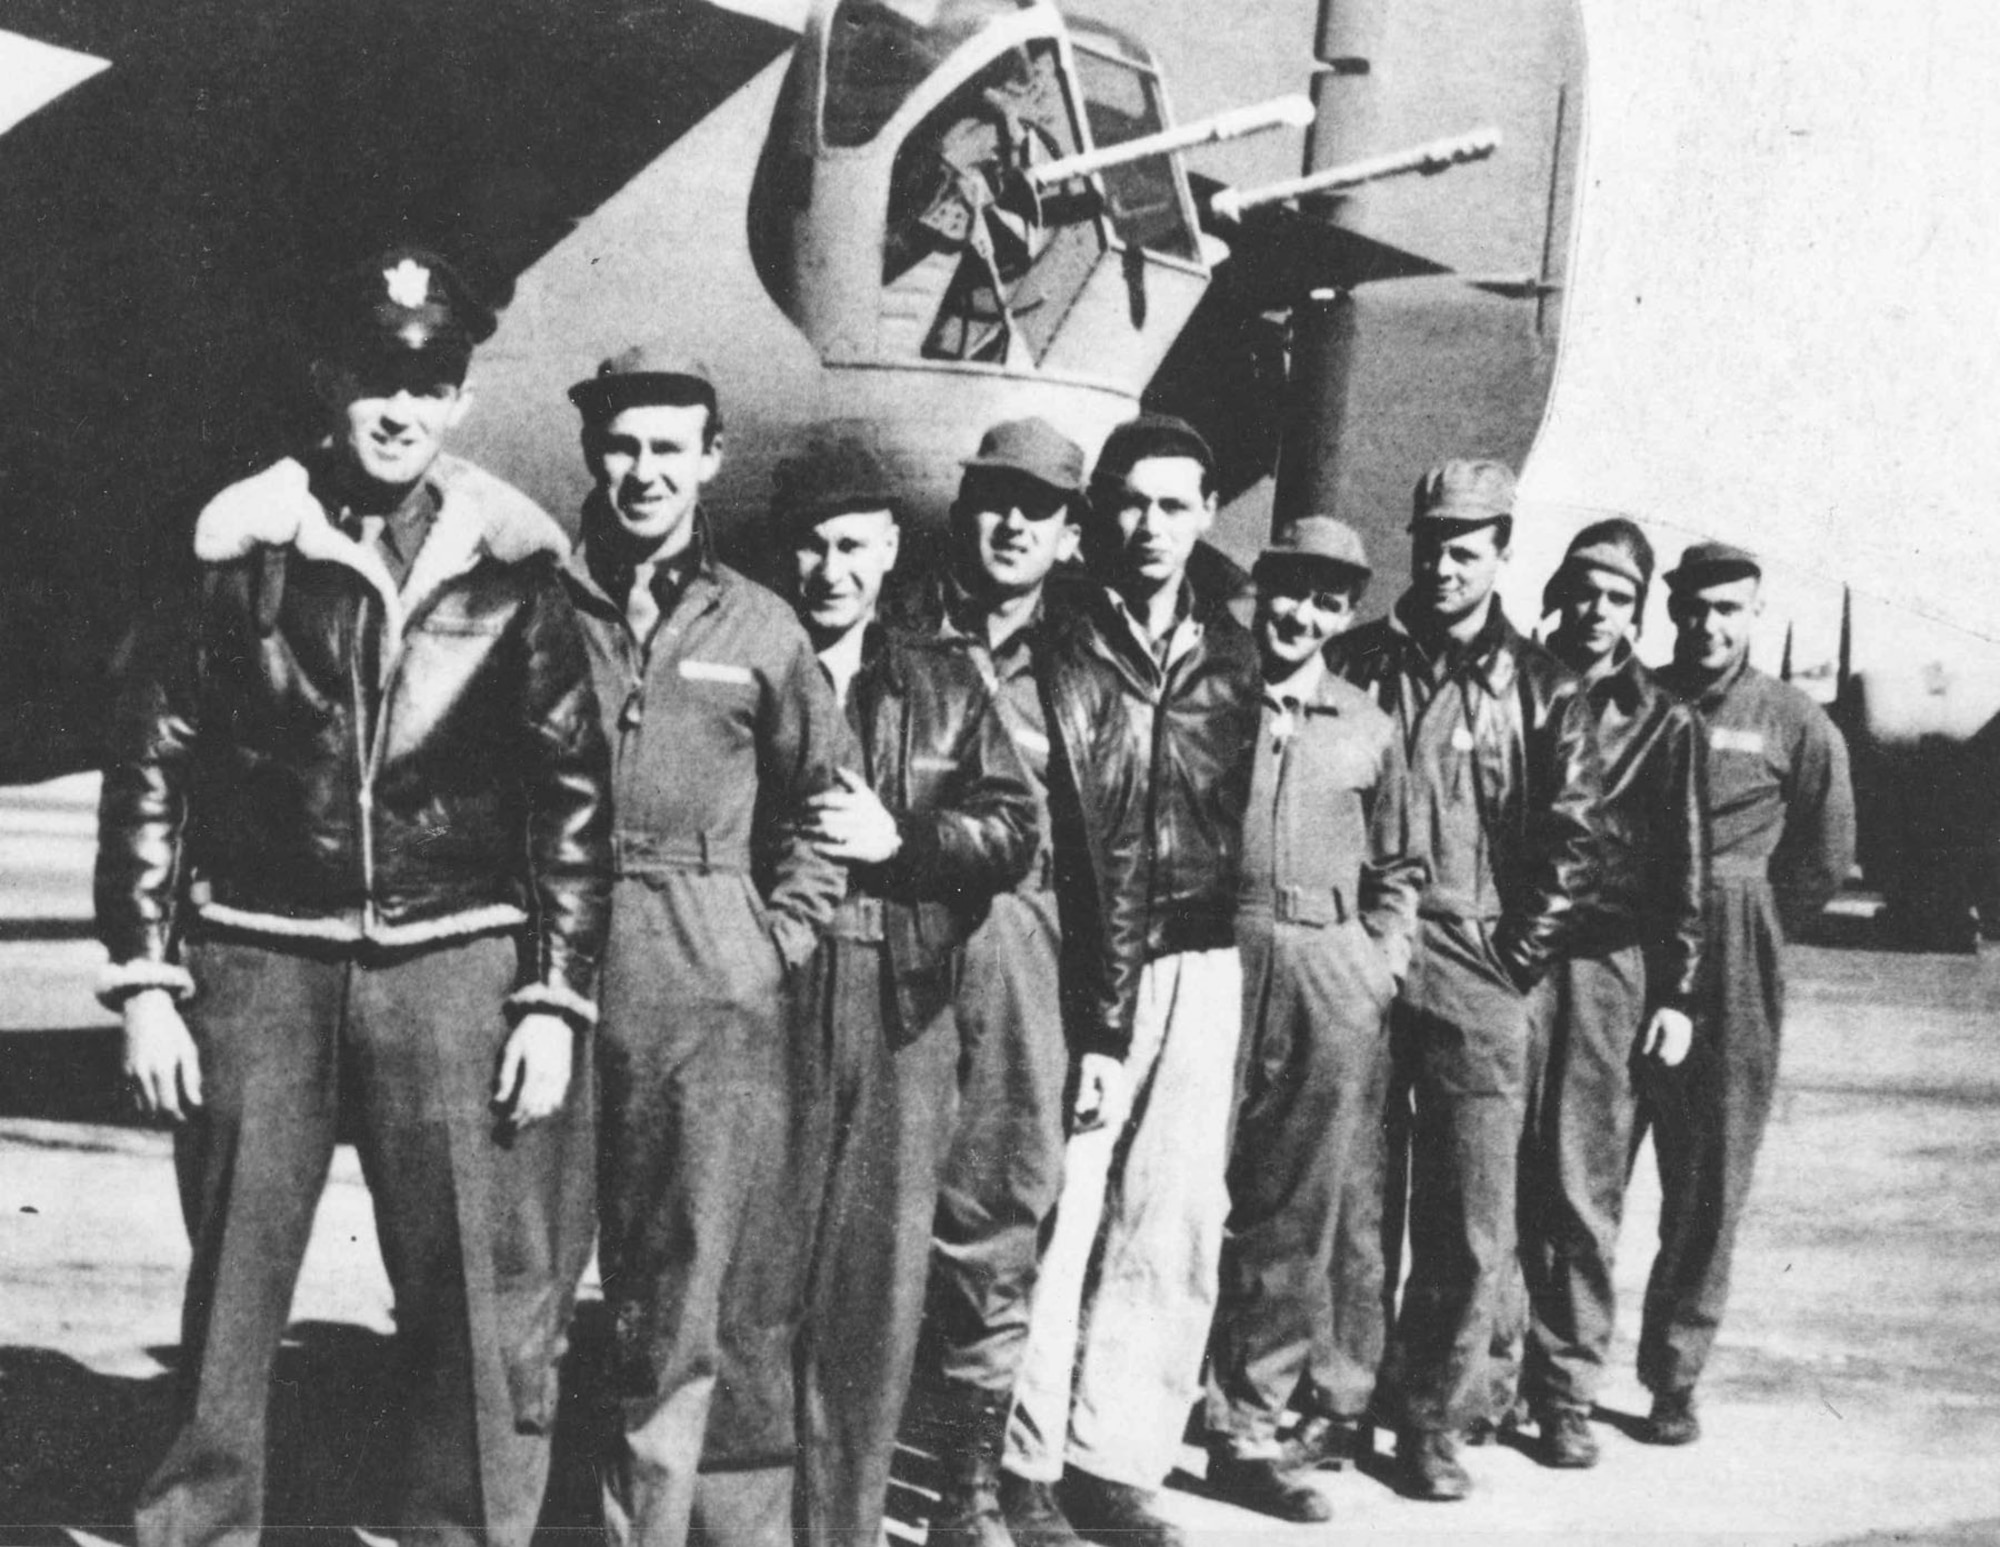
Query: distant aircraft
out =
(926, 213)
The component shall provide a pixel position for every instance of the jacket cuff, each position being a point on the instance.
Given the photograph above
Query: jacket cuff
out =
(795, 939)
(571, 1006)
(1091, 1034)
(1395, 945)
(121, 980)
(915, 861)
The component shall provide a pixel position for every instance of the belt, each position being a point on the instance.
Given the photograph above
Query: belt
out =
(648, 854)
(1740, 867)
(860, 918)
(1317, 906)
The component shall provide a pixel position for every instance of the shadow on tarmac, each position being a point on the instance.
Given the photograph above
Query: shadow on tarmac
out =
(76, 1445)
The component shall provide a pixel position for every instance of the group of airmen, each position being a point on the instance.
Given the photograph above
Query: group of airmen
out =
(1005, 1007)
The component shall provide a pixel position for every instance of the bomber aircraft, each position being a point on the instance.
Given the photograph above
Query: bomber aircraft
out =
(926, 213)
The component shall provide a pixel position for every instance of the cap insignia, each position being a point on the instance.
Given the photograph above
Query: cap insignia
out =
(409, 283)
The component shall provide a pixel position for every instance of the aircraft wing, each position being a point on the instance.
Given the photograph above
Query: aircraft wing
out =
(184, 173)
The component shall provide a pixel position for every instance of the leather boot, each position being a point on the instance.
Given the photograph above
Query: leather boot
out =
(1325, 1444)
(972, 1430)
(1116, 1514)
(1673, 1420)
(1567, 1441)
(1266, 1485)
(1033, 1515)
(1427, 1466)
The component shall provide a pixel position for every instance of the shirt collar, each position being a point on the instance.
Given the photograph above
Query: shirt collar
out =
(965, 617)
(608, 560)
(1456, 655)
(412, 514)
(1181, 635)
(1706, 695)
(1618, 681)
(842, 660)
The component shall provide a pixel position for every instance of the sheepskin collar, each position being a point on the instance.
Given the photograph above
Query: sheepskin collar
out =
(276, 508)
(478, 515)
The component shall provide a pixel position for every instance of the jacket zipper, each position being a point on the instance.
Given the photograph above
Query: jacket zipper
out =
(375, 751)
(364, 760)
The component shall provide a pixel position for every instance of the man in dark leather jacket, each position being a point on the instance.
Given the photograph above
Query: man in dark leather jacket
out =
(932, 816)
(1620, 993)
(356, 818)
(1097, 1423)
(1038, 952)
(1504, 795)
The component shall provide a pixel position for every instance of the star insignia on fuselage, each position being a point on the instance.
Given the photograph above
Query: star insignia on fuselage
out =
(409, 283)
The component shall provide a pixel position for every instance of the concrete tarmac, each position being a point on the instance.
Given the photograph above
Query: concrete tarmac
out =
(1854, 1395)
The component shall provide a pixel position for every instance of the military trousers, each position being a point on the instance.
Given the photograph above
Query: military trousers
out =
(879, 1127)
(1005, 1167)
(1459, 1035)
(1128, 1281)
(692, 1069)
(1302, 1260)
(470, 1216)
(1707, 1118)
(1586, 1019)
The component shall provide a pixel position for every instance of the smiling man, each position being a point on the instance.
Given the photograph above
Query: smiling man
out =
(1504, 788)
(1007, 599)
(1615, 1006)
(723, 730)
(933, 818)
(1781, 823)
(1327, 908)
(371, 746)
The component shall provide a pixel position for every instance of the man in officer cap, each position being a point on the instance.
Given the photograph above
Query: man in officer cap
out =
(723, 729)
(1006, 596)
(356, 821)
(932, 817)
(1781, 832)
(1327, 907)
(1128, 1281)
(1504, 785)
(1618, 997)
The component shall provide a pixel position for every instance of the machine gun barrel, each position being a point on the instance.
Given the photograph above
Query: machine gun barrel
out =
(1430, 158)
(1293, 112)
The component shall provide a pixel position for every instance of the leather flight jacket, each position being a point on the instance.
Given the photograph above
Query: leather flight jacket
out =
(1096, 810)
(1190, 728)
(1536, 779)
(260, 775)
(937, 754)
(1653, 882)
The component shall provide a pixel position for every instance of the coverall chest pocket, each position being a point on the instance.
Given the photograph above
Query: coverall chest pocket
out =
(725, 699)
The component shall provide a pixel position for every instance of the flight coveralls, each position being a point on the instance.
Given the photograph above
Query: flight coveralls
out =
(1128, 1280)
(1781, 835)
(877, 1082)
(356, 814)
(1020, 992)
(1636, 948)
(722, 728)
(1005, 1166)
(1326, 911)
(1504, 787)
